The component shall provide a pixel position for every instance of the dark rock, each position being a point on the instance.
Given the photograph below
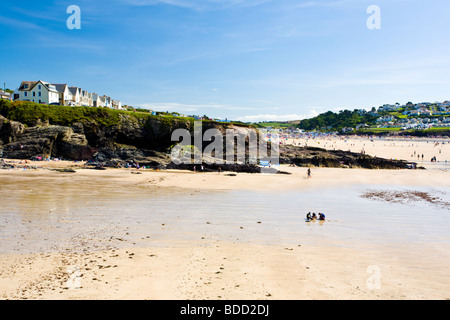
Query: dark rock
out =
(9, 130)
(49, 141)
(309, 156)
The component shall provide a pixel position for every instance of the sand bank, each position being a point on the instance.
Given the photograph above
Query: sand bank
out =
(110, 265)
(409, 149)
(221, 271)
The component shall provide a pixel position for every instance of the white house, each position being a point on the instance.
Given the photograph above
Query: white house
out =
(116, 104)
(61, 94)
(65, 96)
(90, 99)
(5, 95)
(96, 101)
(38, 91)
(108, 102)
(76, 96)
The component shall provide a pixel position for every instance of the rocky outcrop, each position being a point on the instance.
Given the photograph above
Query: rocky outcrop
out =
(9, 130)
(317, 157)
(48, 141)
(110, 138)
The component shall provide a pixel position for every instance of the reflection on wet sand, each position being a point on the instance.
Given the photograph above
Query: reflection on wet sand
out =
(111, 230)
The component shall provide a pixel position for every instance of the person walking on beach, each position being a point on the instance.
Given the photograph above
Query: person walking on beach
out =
(309, 173)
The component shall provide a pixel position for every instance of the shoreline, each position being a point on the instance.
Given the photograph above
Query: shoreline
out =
(110, 265)
(297, 179)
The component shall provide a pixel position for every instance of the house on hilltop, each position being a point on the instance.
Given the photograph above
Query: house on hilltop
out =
(64, 94)
(76, 98)
(60, 94)
(38, 91)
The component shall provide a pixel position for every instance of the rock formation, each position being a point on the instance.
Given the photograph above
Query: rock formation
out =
(111, 138)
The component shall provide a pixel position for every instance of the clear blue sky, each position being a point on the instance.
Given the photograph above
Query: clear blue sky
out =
(235, 59)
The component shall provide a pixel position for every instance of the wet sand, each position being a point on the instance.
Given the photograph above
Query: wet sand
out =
(115, 234)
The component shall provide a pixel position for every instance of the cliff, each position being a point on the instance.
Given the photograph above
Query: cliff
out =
(114, 138)
(29, 130)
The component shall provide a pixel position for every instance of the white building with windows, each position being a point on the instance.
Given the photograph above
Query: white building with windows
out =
(76, 96)
(61, 94)
(38, 91)
(64, 94)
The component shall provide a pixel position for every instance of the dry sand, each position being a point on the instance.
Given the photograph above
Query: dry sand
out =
(390, 148)
(228, 270)
(219, 271)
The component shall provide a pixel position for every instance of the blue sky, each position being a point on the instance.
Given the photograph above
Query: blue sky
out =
(246, 60)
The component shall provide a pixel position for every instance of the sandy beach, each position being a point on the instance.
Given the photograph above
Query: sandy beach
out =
(129, 234)
(409, 149)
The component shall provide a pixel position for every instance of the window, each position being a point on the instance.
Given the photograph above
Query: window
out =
(39, 87)
(25, 94)
(40, 94)
(34, 94)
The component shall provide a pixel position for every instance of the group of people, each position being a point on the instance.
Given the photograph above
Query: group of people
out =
(313, 216)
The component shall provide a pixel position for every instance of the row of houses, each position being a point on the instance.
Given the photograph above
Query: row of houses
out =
(416, 123)
(61, 94)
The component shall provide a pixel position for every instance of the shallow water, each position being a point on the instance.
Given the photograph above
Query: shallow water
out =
(55, 215)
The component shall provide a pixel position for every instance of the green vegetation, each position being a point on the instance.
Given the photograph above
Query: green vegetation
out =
(30, 113)
(379, 130)
(273, 124)
(415, 132)
(331, 121)
(438, 129)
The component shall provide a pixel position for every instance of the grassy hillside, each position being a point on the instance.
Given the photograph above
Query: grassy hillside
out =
(331, 121)
(29, 113)
(441, 131)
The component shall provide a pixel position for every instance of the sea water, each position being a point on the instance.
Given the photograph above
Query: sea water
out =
(39, 215)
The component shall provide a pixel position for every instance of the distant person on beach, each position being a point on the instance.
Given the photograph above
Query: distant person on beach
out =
(321, 217)
(309, 172)
(308, 216)
(314, 216)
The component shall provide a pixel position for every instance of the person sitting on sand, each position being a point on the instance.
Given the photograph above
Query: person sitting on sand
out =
(314, 216)
(321, 217)
(308, 216)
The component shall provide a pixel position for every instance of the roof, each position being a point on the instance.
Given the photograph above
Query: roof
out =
(29, 85)
(74, 90)
(61, 88)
